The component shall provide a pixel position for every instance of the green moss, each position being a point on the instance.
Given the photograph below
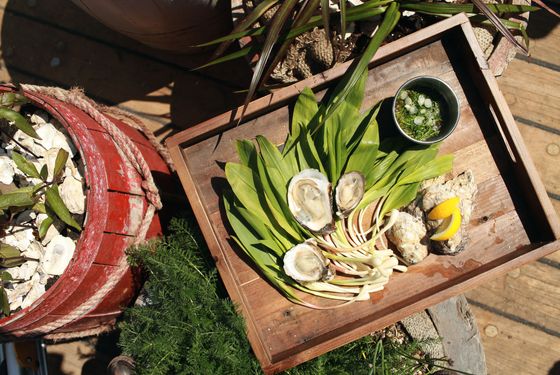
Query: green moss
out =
(189, 326)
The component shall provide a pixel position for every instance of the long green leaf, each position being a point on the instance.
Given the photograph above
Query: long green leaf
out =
(456, 8)
(19, 121)
(273, 158)
(364, 155)
(5, 276)
(9, 99)
(247, 50)
(343, 18)
(247, 152)
(348, 81)
(399, 197)
(483, 7)
(247, 22)
(55, 203)
(25, 165)
(278, 23)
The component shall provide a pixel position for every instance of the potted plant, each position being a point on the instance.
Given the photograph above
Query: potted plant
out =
(75, 192)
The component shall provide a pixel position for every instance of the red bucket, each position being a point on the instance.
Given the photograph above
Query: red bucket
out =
(115, 206)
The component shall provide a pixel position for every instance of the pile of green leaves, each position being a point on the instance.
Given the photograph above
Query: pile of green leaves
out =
(334, 137)
(189, 326)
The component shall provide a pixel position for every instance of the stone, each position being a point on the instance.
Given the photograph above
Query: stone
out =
(58, 254)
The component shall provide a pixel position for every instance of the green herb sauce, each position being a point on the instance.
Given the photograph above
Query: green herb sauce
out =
(419, 114)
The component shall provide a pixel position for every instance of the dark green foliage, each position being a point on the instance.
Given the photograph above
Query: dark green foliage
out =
(189, 326)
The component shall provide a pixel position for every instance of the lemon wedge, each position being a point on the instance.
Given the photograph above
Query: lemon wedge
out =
(449, 227)
(444, 209)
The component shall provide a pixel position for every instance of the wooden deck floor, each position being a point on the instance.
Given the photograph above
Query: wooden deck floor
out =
(54, 43)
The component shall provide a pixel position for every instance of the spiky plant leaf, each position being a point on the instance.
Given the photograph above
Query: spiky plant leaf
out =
(25, 165)
(19, 121)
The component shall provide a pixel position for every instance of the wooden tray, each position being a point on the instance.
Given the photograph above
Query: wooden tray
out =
(513, 222)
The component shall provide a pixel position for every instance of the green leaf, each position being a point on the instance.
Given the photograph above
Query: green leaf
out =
(342, 18)
(25, 165)
(4, 301)
(5, 276)
(59, 164)
(350, 80)
(245, 51)
(40, 208)
(485, 9)
(44, 173)
(399, 197)
(8, 99)
(247, 21)
(17, 198)
(9, 251)
(45, 225)
(247, 152)
(19, 121)
(456, 8)
(364, 156)
(430, 169)
(273, 158)
(55, 202)
(278, 22)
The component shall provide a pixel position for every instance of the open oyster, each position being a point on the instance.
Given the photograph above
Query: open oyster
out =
(310, 200)
(306, 263)
(349, 192)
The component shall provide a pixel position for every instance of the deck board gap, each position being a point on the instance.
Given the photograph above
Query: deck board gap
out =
(514, 318)
(535, 124)
(539, 62)
(550, 262)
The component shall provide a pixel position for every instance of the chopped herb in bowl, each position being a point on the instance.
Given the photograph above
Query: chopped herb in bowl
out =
(419, 114)
(426, 110)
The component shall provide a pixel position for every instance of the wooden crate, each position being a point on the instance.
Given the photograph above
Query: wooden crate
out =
(513, 222)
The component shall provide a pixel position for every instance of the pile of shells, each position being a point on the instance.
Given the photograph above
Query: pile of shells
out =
(47, 258)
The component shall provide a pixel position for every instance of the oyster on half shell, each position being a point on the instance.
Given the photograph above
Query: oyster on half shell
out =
(306, 263)
(310, 201)
(349, 192)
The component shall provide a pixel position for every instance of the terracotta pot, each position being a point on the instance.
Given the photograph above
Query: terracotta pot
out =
(174, 26)
(115, 205)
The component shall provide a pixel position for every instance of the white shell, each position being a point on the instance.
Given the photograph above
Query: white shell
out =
(37, 290)
(72, 194)
(58, 254)
(51, 137)
(306, 263)
(349, 192)
(6, 170)
(310, 201)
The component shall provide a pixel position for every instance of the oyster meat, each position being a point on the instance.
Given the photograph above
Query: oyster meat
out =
(310, 201)
(408, 233)
(306, 263)
(349, 192)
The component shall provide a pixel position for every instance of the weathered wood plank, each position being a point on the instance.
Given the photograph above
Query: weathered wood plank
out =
(544, 148)
(514, 348)
(532, 92)
(544, 32)
(521, 290)
(457, 328)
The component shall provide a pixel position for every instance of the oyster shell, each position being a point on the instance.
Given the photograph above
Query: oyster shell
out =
(310, 201)
(408, 233)
(349, 192)
(436, 191)
(306, 263)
